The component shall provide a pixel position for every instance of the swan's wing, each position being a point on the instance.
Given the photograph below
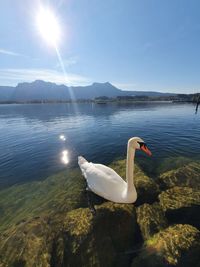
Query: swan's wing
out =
(97, 174)
(103, 181)
(108, 171)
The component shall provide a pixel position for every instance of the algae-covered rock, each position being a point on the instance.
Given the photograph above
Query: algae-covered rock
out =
(27, 244)
(181, 205)
(151, 219)
(60, 192)
(187, 175)
(172, 163)
(75, 238)
(147, 188)
(177, 245)
(99, 240)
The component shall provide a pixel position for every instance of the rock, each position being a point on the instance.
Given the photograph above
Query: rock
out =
(27, 244)
(75, 238)
(177, 245)
(181, 205)
(172, 163)
(100, 240)
(151, 219)
(188, 175)
(63, 191)
(147, 188)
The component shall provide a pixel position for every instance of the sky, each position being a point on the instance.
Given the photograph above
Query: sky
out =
(133, 44)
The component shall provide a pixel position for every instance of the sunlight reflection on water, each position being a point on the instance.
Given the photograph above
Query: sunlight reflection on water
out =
(62, 137)
(65, 157)
(33, 136)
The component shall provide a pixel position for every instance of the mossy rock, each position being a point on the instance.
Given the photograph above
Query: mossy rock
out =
(147, 188)
(100, 240)
(177, 245)
(60, 192)
(188, 175)
(181, 205)
(75, 238)
(27, 244)
(151, 219)
(172, 163)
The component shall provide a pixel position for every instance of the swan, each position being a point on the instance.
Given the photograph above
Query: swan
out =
(106, 183)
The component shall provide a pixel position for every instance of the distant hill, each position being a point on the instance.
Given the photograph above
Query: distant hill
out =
(41, 90)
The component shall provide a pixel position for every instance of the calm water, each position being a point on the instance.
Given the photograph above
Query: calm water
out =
(32, 146)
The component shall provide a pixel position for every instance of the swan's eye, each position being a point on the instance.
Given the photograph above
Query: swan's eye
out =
(144, 147)
(142, 144)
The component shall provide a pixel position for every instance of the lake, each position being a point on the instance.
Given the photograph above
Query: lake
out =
(34, 136)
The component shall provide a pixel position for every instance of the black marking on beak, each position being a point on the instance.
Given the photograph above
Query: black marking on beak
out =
(142, 144)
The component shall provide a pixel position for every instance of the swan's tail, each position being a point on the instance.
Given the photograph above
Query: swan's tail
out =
(82, 165)
(81, 160)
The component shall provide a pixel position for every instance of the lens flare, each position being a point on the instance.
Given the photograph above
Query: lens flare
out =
(48, 26)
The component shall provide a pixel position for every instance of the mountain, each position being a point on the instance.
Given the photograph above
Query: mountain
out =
(41, 90)
(6, 92)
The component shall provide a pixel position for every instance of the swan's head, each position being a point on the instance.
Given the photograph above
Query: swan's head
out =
(138, 143)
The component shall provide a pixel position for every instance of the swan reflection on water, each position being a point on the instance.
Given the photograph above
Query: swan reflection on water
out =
(65, 157)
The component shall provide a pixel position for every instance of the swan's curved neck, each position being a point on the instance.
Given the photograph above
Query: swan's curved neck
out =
(130, 168)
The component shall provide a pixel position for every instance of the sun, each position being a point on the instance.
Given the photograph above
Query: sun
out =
(48, 26)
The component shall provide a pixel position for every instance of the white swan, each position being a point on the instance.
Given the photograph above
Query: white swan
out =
(106, 183)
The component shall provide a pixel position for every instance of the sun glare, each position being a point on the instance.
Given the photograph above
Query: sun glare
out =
(48, 26)
(65, 157)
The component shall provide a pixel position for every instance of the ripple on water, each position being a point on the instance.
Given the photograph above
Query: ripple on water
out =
(34, 137)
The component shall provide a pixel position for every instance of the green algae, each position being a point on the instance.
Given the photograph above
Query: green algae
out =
(151, 219)
(177, 245)
(178, 197)
(74, 238)
(29, 242)
(172, 163)
(181, 205)
(47, 224)
(187, 175)
(174, 242)
(96, 241)
(61, 192)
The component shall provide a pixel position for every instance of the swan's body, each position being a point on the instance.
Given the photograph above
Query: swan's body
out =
(106, 183)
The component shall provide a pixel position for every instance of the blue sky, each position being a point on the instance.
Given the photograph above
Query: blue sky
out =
(134, 44)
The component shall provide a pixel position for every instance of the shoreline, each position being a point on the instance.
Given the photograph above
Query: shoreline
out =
(95, 102)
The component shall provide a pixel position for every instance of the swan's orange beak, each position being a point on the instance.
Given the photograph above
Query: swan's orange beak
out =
(146, 150)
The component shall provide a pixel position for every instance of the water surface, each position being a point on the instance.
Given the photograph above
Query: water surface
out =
(34, 136)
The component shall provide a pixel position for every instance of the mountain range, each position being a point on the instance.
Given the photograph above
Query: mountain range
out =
(41, 90)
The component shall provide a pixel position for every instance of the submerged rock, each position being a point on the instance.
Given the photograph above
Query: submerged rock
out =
(147, 188)
(172, 163)
(177, 245)
(188, 175)
(151, 219)
(27, 244)
(60, 192)
(99, 240)
(47, 224)
(181, 205)
(72, 239)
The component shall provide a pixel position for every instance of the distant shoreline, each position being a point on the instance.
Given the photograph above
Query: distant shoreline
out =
(94, 102)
